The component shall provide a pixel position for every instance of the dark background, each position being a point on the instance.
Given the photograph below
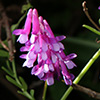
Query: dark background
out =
(65, 17)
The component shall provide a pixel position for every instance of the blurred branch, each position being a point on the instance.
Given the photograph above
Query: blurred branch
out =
(87, 91)
(85, 9)
(1, 42)
(5, 21)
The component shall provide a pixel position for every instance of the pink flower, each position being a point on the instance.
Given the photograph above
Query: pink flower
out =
(47, 49)
(23, 38)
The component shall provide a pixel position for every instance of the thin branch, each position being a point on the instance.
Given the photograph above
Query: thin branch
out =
(1, 42)
(5, 21)
(87, 91)
(85, 9)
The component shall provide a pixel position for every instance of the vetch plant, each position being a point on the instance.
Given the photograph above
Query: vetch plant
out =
(46, 48)
(44, 54)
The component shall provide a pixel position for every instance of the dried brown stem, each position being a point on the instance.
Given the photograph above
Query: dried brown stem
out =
(1, 42)
(85, 9)
(87, 91)
(5, 21)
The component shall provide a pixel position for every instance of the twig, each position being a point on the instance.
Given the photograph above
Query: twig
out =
(5, 21)
(85, 9)
(1, 42)
(87, 91)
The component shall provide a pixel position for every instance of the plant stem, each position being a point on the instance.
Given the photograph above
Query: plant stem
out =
(14, 71)
(28, 95)
(85, 9)
(82, 73)
(92, 29)
(44, 91)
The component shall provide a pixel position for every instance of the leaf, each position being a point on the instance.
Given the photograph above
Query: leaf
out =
(14, 26)
(20, 92)
(4, 53)
(8, 71)
(32, 92)
(99, 21)
(26, 7)
(92, 29)
(8, 65)
(13, 81)
(23, 83)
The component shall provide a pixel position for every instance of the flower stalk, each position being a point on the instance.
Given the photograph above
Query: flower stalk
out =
(82, 73)
(44, 91)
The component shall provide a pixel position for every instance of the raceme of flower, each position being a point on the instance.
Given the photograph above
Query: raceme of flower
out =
(43, 46)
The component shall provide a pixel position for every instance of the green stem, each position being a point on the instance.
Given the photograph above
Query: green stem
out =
(28, 95)
(44, 91)
(17, 80)
(92, 29)
(14, 71)
(82, 73)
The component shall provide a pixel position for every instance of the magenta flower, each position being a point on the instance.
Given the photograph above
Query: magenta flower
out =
(23, 38)
(43, 46)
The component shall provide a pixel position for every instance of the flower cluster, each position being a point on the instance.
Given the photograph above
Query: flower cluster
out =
(43, 46)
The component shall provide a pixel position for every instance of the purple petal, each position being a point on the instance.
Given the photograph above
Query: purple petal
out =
(50, 80)
(71, 56)
(44, 55)
(62, 54)
(23, 38)
(56, 47)
(47, 27)
(23, 56)
(61, 45)
(53, 57)
(31, 55)
(36, 70)
(35, 22)
(52, 40)
(33, 38)
(18, 31)
(70, 64)
(57, 68)
(64, 69)
(43, 44)
(27, 26)
(46, 68)
(28, 43)
(51, 67)
(60, 38)
(37, 47)
(29, 63)
(41, 75)
(41, 19)
(99, 7)
(67, 81)
(24, 48)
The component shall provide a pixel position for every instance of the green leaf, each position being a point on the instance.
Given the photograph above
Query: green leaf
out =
(26, 7)
(23, 83)
(32, 92)
(20, 92)
(99, 21)
(8, 65)
(13, 81)
(4, 53)
(92, 29)
(8, 71)
(14, 26)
